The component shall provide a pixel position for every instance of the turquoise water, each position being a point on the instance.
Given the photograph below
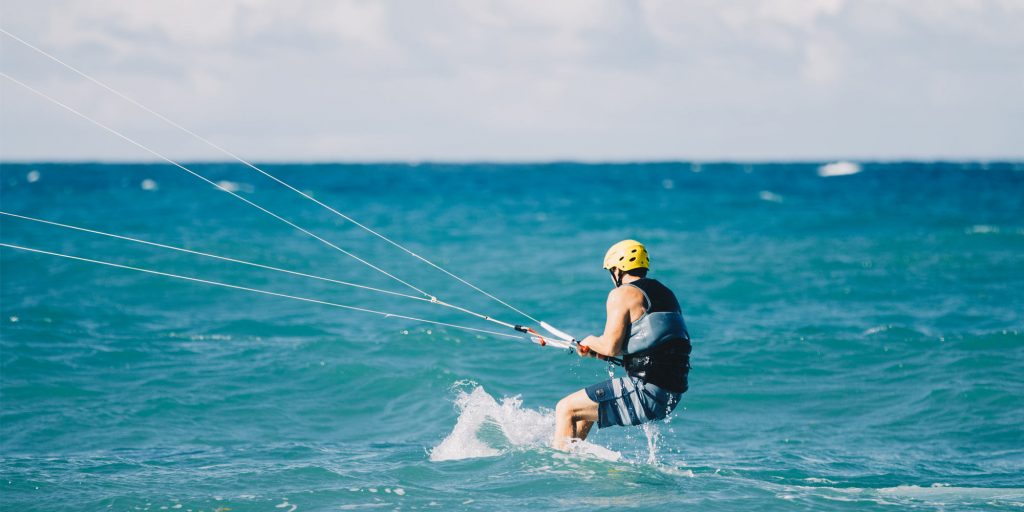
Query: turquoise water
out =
(858, 339)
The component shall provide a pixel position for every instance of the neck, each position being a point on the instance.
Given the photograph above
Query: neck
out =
(626, 278)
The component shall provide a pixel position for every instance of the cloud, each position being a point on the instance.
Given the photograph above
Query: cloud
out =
(503, 79)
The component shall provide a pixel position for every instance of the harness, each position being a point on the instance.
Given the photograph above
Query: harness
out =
(658, 347)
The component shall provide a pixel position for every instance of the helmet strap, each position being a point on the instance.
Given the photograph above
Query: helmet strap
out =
(616, 278)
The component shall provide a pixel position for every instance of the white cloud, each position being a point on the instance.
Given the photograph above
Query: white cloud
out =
(324, 79)
(803, 14)
(822, 62)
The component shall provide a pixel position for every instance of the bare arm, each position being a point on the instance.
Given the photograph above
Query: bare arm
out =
(620, 301)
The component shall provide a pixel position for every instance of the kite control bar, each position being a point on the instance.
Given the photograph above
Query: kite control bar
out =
(566, 341)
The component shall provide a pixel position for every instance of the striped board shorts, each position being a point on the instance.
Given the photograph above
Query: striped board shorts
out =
(630, 401)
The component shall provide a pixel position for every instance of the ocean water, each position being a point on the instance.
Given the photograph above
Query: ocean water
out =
(858, 338)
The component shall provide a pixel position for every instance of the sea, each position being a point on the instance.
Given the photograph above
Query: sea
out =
(858, 336)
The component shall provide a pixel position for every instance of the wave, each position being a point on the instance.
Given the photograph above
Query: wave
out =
(234, 186)
(938, 494)
(843, 168)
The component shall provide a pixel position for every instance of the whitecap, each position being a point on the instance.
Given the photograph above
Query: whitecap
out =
(771, 197)
(674, 471)
(842, 168)
(814, 480)
(148, 184)
(234, 187)
(982, 229)
(32, 176)
(947, 492)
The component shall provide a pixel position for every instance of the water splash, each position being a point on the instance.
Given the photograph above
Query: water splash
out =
(488, 428)
(653, 435)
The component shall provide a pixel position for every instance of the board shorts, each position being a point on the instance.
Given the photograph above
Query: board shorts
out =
(630, 401)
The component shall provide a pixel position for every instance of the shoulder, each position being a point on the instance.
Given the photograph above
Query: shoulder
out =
(625, 294)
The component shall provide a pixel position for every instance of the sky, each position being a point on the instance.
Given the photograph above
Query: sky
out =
(518, 80)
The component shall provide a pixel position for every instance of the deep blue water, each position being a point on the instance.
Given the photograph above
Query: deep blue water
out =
(858, 339)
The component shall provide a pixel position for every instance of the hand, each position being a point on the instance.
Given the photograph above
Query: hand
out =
(583, 349)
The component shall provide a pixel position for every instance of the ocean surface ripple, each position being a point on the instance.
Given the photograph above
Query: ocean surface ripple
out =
(858, 338)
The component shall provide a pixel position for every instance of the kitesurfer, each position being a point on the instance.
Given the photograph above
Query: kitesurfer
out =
(645, 328)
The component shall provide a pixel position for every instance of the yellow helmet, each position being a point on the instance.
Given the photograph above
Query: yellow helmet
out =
(627, 255)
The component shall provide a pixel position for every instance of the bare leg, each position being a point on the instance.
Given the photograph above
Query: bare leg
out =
(574, 415)
(583, 428)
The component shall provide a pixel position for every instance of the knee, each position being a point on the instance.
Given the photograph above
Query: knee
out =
(564, 408)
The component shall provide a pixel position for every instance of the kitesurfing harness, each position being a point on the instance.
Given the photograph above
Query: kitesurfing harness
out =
(658, 347)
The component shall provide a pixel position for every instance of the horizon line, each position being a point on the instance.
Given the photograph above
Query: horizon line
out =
(512, 162)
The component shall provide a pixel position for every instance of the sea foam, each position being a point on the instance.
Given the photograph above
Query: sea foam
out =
(488, 428)
(233, 186)
(843, 168)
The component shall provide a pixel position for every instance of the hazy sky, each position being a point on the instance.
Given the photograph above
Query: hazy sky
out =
(520, 80)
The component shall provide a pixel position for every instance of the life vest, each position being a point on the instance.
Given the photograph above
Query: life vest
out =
(658, 347)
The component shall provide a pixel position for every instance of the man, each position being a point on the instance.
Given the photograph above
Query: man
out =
(645, 327)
